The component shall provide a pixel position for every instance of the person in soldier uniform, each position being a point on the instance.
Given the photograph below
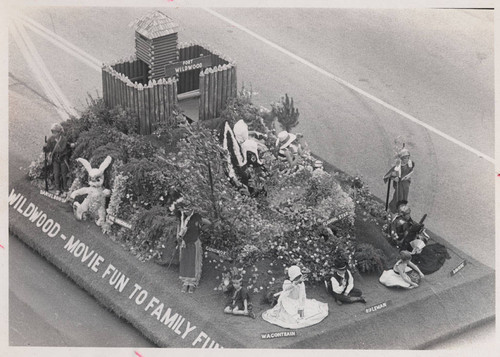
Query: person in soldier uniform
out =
(401, 225)
(400, 175)
(57, 155)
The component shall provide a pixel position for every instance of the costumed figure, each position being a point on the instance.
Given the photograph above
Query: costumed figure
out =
(404, 274)
(401, 225)
(318, 165)
(170, 251)
(240, 298)
(400, 175)
(428, 257)
(57, 152)
(341, 284)
(293, 309)
(419, 242)
(244, 165)
(247, 143)
(190, 249)
(290, 149)
(95, 201)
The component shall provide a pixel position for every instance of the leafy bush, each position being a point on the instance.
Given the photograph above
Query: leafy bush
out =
(368, 259)
(37, 172)
(95, 137)
(287, 114)
(287, 222)
(151, 229)
(241, 107)
(124, 121)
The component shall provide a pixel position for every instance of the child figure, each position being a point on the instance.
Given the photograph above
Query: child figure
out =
(294, 309)
(342, 284)
(240, 304)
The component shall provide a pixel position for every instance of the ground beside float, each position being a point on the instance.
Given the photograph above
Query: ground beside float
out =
(148, 295)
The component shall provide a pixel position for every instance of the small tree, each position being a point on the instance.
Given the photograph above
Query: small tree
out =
(287, 114)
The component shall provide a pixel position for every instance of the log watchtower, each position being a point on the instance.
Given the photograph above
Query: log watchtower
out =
(156, 42)
(151, 83)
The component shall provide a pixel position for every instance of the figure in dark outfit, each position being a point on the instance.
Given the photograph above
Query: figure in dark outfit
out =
(400, 174)
(341, 284)
(428, 257)
(189, 244)
(190, 251)
(240, 299)
(58, 152)
(401, 225)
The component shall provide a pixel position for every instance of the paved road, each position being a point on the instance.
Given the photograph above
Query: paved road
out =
(434, 65)
(47, 309)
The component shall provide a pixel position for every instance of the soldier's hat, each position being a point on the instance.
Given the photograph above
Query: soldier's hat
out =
(403, 153)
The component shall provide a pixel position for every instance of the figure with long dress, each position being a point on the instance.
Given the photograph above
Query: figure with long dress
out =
(190, 249)
(398, 276)
(400, 175)
(293, 309)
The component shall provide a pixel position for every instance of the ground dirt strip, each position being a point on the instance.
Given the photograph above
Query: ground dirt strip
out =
(455, 298)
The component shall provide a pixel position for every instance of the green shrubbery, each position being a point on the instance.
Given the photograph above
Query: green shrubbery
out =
(288, 221)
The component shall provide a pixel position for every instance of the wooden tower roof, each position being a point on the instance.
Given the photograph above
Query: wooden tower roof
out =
(155, 24)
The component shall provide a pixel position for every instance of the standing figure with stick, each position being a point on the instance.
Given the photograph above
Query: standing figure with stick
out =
(46, 169)
(400, 175)
(56, 149)
(188, 242)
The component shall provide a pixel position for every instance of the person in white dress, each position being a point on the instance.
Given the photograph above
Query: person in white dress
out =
(398, 275)
(293, 309)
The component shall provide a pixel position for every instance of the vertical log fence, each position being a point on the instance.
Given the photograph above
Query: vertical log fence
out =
(217, 85)
(126, 83)
(152, 102)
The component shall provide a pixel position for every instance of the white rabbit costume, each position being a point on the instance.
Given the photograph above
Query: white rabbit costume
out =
(95, 201)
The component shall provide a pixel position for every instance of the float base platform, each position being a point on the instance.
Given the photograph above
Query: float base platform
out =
(148, 295)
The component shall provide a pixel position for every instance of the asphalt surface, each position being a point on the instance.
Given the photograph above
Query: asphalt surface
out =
(48, 309)
(436, 65)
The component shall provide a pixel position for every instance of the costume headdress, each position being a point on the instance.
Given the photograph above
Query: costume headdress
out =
(285, 139)
(57, 128)
(294, 272)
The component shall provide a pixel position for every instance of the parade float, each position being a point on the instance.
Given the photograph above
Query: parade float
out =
(134, 152)
(265, 216)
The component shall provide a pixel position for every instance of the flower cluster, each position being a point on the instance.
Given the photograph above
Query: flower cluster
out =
(301, 216)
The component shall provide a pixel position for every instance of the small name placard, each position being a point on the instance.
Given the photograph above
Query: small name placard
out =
(216, 251)
(188, 65)
(119, 221)
(53, 196)
(458, 268)
(377, 307)
(270, 335)
(337, 218)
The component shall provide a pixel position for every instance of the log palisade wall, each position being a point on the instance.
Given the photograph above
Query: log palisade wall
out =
(153, 102)
(128, 83)
(217, 85)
